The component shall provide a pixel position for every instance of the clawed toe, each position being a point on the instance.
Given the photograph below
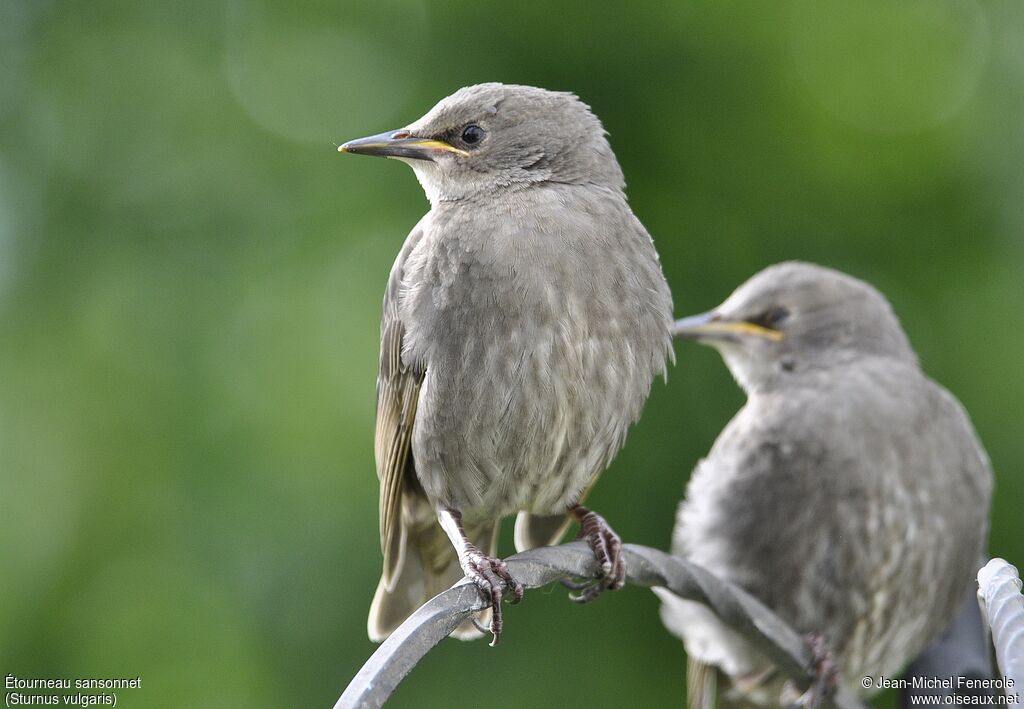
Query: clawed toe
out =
(574, 585)
(607, 547)
(825, 671)
(492, 577)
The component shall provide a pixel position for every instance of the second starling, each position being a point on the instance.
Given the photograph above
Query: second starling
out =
(850, 494)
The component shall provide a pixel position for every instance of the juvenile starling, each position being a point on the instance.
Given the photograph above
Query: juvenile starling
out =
(850, 494)
(524, 321)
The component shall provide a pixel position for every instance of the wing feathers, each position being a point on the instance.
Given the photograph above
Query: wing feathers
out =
(398, 391)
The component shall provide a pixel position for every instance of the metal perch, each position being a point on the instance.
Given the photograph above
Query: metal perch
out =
(425, 628)
(999, 593)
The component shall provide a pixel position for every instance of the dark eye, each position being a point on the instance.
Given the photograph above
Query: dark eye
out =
(771, 318)
(472, 134)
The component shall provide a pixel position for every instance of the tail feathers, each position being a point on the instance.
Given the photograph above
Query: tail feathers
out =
(429, 566)
(390, 608)
(707, 687)
(533, 531)
(701, 684)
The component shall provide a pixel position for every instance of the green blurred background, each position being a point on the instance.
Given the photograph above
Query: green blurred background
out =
(191, 277)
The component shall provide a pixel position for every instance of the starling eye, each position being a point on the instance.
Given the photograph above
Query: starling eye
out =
(770, 318)
(472, 134)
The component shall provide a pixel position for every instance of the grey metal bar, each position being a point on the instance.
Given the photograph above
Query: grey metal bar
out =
(999, 593)
(425, 628)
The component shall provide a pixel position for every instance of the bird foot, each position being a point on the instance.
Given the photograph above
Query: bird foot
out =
(492, 577)
(607, 547)
(825, 671)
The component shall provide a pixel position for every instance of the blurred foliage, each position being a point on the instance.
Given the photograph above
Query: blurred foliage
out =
(190, 285)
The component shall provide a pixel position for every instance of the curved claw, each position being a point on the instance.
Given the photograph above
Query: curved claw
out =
(478, 625)
(576, 585)
(826, 673)
(607, 547)
(492, 577)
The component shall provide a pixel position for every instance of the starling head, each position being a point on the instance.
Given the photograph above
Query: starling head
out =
(488, 138)
(794, 317)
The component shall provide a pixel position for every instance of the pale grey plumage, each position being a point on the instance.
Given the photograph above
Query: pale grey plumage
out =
(524, 321)
(850, 493)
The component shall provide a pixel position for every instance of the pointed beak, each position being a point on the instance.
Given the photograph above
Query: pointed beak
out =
(400, 144)
(711, 326)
